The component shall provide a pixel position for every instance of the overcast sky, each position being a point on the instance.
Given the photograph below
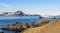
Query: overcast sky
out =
(43, 7)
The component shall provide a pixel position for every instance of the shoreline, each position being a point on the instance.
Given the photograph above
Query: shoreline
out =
(15, 27)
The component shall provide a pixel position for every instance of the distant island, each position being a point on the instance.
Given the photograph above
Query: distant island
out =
(18, 13)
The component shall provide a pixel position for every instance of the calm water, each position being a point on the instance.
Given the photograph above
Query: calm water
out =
(4, 20)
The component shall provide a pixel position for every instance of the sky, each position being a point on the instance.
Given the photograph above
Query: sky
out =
(41, 7)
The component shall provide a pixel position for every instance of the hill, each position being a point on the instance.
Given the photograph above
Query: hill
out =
(52, 27)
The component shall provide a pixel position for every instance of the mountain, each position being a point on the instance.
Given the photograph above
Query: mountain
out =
(17, 13)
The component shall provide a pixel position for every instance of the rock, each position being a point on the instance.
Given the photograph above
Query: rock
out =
(25, 26)
(19, 13)
(31, 25)
(20, 27)
(8, 27)
(13, 27)
(41, 22)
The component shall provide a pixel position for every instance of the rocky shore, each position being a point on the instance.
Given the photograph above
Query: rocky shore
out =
(52, 27)
(23, 26)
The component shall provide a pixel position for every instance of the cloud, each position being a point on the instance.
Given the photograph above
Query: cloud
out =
(5, 5)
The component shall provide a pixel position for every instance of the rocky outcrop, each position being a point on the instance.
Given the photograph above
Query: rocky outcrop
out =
(20, 27)
(19, 13)
(13, 27)
(41, 22)
(25, 26)
(31, 25)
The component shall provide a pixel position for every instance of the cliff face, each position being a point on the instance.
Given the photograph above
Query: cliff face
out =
(52, 27)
